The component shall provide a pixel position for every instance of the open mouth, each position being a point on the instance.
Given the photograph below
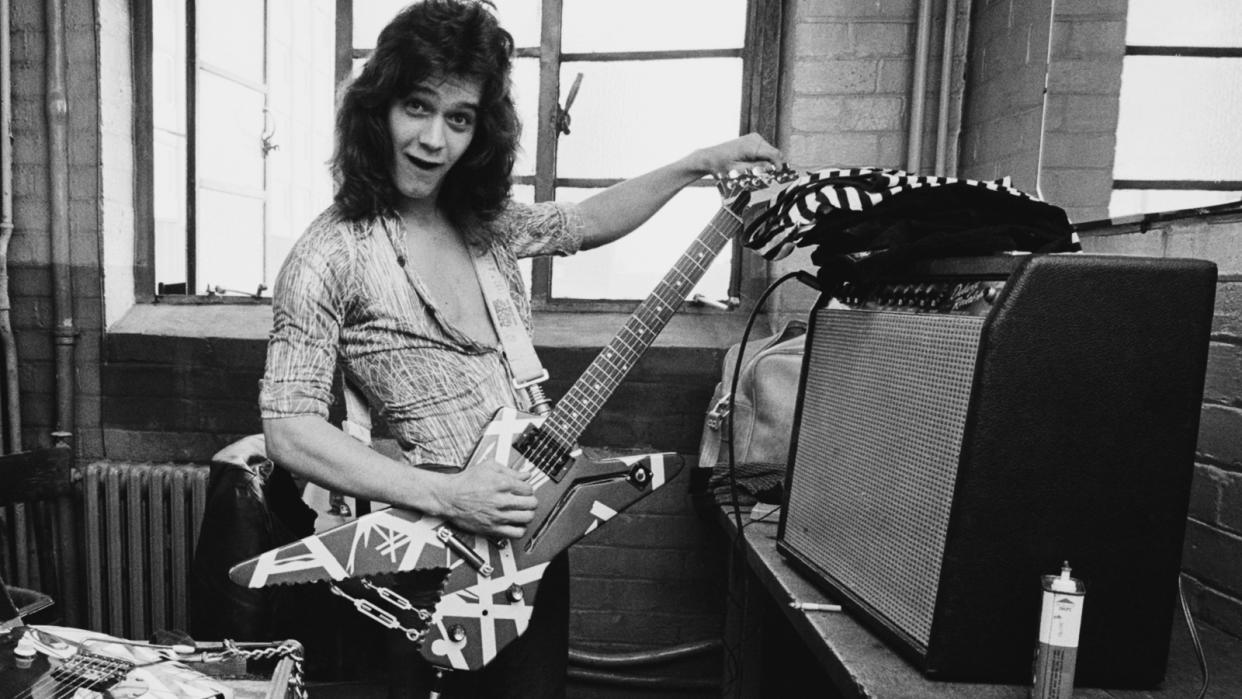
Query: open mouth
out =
(423, 164)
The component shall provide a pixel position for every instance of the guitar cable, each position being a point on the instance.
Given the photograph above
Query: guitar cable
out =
(735, 667)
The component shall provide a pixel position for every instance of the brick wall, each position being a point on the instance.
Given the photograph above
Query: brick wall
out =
(1005, 124)
(1212, 553)
(30, 257)
(847, 77)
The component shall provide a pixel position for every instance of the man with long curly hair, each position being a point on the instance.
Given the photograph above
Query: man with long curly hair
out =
(383, 285)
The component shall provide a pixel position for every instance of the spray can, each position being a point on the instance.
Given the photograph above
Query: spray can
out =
(1059, 623)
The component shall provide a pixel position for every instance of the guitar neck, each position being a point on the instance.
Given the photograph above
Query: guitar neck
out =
(582, 402)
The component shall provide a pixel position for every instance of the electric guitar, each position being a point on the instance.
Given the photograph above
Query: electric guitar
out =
(56, 661)
(490, 586)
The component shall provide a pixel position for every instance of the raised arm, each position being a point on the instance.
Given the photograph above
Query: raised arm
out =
(621, 208)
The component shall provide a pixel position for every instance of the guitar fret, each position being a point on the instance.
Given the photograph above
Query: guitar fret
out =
(584, 399)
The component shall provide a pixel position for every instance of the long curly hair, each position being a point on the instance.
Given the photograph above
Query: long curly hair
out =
(430, 39)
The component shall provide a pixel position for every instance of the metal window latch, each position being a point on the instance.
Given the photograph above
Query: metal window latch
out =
(562, 113)
(218, 290)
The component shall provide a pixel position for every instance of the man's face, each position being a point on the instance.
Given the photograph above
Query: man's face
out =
(431, 128)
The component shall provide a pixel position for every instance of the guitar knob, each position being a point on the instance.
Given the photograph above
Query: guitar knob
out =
(457, 633)
(515, 593)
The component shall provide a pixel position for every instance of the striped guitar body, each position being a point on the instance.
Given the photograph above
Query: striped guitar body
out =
(488, 595)
(490, 586)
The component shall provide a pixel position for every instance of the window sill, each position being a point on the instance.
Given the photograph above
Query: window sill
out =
(561, 329)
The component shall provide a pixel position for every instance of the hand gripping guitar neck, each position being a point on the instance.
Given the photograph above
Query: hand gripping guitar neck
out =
(490, 586)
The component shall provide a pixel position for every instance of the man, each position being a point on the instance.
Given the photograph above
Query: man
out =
(383, 284)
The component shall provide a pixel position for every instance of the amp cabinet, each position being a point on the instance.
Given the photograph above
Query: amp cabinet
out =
(964, 426)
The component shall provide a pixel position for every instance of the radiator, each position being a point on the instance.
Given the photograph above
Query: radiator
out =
(139, 526)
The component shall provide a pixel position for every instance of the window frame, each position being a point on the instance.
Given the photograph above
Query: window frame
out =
(1179, 184)
(761, 69)
(760, 54)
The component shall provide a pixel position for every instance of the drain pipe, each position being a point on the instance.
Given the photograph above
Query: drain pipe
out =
(64, 334)
(8, 343)
(946, 75)
(918, 96)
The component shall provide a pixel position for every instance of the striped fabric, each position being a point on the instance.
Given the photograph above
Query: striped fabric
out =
(808, 200)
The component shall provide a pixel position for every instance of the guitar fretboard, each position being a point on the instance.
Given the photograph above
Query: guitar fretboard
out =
(582, 402)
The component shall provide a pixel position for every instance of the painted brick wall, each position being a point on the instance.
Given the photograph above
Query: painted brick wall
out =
(34, 315)
(1002, 132)
(847, 76)
(1212, 553)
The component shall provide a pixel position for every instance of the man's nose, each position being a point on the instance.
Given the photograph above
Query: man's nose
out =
(432, 135)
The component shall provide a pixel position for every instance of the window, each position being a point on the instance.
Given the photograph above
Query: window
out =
(241, 99)
(649, 80)
(1177, 145)
(241, 105)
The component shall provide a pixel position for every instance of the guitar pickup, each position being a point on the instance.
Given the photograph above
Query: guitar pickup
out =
(545, 451)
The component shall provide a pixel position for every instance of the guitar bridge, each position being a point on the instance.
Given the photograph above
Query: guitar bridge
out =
(545, 451)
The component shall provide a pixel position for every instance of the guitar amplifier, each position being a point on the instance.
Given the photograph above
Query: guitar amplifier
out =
(965, 426)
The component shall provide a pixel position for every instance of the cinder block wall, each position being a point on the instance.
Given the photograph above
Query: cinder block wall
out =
(1006, 129)
(847, 74)
(1212, 553)
(34, 315)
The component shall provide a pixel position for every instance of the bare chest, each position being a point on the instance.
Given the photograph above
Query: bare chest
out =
(446, 271)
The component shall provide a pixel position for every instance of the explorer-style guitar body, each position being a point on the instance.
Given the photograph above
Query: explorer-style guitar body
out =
(487, 596)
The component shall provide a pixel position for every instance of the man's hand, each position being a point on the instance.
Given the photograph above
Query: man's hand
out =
(742, 153)
(489, 499)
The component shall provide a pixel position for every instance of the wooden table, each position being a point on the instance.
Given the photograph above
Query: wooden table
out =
(773, 649)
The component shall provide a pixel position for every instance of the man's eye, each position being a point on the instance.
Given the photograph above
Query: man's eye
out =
(415, 107)
(461, 121)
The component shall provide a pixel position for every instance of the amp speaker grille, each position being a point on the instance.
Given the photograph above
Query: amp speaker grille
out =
(884, 407)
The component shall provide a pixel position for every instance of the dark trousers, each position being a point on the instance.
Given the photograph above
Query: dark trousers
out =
(532, 667)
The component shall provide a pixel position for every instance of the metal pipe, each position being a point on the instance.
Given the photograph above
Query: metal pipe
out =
(1043, 101)
(656, 656)
(914, 143)
(946, 74)
(8, 343)
(64, 333)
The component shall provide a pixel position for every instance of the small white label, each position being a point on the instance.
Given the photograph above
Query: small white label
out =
(1060, 619)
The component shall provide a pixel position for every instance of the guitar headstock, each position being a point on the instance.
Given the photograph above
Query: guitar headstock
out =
(754, 186)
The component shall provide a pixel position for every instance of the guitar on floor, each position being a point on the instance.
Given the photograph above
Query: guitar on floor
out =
(55, 661)
(487, 594)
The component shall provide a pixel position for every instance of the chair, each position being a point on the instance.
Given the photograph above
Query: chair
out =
(38, 480)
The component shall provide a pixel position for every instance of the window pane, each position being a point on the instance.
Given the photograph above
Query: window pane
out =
(169, 138)
(1126, 202)
(229, 132)
(370, 16)
(632, 116)
(519, 17)
(230, 37)
(526, 96)
(1178, 118)
(1184, 23)
(230, 241)
(631, 267)
(652, 25)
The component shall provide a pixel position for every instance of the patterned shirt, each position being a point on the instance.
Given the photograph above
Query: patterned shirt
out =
(344, 298)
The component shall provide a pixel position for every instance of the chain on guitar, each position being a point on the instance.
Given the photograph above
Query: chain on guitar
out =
(488, 592)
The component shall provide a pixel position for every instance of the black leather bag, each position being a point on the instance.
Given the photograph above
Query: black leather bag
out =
(254, 506)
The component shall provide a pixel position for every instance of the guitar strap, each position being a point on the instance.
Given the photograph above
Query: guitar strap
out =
(524, 364)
